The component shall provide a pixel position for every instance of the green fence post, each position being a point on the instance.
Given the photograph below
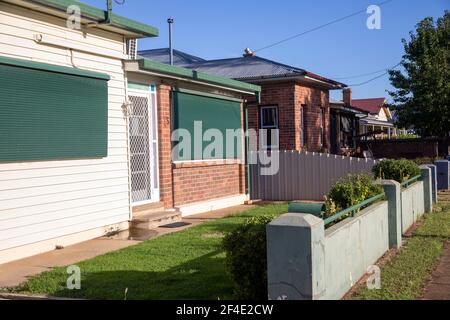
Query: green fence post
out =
(296, 257)
(427, 188)
(392, 189)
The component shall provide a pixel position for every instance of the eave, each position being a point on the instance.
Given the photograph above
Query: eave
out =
(91, 16)
(163, 70)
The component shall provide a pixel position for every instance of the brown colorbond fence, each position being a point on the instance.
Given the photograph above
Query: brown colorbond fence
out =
(302, 175)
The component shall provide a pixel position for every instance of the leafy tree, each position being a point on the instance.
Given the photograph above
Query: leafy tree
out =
(422, 92)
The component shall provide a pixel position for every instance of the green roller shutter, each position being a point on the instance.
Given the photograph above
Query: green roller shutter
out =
(214, 113)
(49, 112)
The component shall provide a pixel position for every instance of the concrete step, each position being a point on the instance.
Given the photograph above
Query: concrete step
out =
(148, 209)
(155, 220)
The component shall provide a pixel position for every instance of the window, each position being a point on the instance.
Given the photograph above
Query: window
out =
(49, 112)
(269, 124)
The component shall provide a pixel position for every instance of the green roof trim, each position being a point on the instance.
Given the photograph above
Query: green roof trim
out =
(100, 15)
(52, 68)
(149, 65)
(208, 95)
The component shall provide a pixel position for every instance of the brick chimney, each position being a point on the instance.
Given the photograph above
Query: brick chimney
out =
(347, 96)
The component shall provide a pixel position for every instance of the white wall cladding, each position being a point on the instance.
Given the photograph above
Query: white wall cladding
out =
(45, 200)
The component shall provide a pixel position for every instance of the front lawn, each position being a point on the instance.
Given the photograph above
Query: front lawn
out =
(404, 277)
(186, 265)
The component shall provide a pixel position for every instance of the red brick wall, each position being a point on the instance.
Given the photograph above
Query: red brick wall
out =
(200, 182)
(311, 100)
(192, 182)
(165, 146)
(291, 99)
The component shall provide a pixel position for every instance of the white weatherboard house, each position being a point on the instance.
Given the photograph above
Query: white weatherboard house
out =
(77, 159)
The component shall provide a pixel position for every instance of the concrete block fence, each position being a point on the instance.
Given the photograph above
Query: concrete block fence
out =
(305, 261)
(443, 174)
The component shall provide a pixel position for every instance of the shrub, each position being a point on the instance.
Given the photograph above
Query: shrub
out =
(398, 170)
(246, 258)
(350, 191)
(426, 160)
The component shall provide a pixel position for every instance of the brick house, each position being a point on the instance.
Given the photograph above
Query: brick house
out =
(86, 130)
(293, 100)
(379, 123)
(189, 182)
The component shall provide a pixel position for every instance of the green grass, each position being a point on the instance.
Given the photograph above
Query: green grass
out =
(186, 265)
(404, 276)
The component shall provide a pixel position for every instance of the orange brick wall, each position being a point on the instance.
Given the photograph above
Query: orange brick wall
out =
(186, 183)
(291, 98)
(311, 100)
(165, 146)
(201, 183)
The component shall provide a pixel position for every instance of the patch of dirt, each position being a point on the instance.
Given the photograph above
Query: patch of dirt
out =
(433, 273)
(410, 232)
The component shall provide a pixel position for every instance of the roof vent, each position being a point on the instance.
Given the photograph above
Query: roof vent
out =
(248, 52)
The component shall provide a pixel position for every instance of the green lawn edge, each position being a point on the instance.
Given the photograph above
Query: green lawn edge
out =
(189, 264)
(405, 275)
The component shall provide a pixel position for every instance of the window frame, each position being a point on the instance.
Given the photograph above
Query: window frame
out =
(58, 130)
(276, 126)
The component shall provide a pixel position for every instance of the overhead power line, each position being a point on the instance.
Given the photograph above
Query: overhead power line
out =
(320, 27)
(364, 74)
(375, 78)
(385, 70)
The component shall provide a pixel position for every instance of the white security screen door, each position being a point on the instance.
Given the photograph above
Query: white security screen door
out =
(143, 148)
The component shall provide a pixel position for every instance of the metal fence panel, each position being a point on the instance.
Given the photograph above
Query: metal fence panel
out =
(302, 175)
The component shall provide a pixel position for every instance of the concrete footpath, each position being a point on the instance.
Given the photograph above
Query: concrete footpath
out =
(438, 288)
(14, 273)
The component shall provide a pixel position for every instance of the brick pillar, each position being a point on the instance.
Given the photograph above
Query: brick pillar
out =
(242, 167)
(165, 146)
(347, 96)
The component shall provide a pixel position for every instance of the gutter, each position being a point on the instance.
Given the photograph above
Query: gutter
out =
(263, 79)
(182, 74)
(98, 16)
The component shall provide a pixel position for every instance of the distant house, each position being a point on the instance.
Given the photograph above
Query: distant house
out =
(293, 100)
(344, 125)
(379, 123)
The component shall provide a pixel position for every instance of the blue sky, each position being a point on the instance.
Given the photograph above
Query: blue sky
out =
(223, 29)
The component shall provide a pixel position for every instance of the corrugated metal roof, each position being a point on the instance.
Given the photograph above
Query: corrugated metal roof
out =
(242, 68)
(247, 68)
(180, 59)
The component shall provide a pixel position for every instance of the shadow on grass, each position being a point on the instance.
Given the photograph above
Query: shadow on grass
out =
(189, 264)
(201, 278)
